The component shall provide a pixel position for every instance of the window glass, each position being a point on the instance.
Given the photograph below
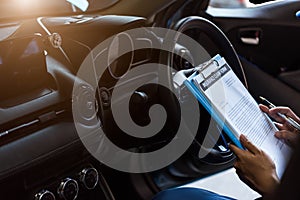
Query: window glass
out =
(238, 3)
(228, 3)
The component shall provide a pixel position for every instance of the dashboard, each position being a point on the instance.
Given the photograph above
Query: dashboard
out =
(39, 141)
(52, 108)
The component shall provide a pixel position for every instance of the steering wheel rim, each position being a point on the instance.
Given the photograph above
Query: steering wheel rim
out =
(226, 50)
(219, 38)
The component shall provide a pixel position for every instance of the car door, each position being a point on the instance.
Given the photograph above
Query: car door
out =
(267, 38)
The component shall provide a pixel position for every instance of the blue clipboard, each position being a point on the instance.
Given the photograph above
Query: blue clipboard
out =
(207, 105)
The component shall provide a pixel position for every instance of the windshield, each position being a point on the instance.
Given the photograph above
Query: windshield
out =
(23, 8)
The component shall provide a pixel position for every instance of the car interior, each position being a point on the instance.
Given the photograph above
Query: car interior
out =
(47, 49)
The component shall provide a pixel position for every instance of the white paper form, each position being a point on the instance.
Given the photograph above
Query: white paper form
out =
(232, 100)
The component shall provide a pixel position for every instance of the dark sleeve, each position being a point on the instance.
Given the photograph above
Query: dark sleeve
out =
(190, 194)
(289, 187)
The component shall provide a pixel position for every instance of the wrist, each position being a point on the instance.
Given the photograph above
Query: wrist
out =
(271, 184)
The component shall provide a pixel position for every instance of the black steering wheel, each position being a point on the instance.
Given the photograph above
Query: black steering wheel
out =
(217, 36)
(198, 24)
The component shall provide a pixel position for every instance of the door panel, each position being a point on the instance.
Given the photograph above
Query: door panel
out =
(268, 38)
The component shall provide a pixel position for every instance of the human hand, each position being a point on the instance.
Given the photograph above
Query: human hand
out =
(255, 167)
(286, 132)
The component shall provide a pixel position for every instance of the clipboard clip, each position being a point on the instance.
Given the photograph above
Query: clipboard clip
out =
(201, 68)
(182, 75)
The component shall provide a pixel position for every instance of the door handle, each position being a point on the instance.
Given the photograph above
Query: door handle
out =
(250, 36)
(251, 41)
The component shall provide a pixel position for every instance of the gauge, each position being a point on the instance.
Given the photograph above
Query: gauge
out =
(120, 55)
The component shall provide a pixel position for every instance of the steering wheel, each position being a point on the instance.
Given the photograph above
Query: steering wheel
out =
(217, 36)
(215, 155)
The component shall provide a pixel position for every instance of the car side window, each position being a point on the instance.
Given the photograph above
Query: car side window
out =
(228, 3)
(237, 3)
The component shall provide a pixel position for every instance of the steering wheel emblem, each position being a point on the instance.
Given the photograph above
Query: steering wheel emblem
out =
(55, 40)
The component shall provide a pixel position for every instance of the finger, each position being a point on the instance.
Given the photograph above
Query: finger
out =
(275, 116)
(281, 109)
(237, 151)
(279, 126)
(286, 135)
(272, 114)
(283, 134)
(285, 126)
(284, 110)
(291, 139)
(242, 176)
(246, 143)
(264, 108)
(239, 173)
(236, 165)
(289, 127)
